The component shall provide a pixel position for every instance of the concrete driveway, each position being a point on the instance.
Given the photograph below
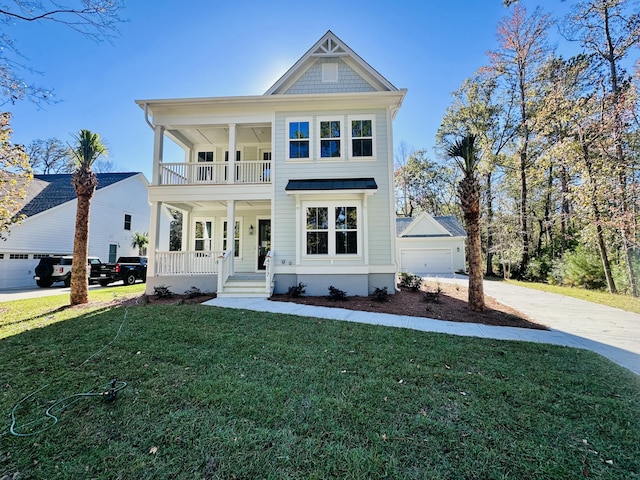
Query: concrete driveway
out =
(35, 292)
(608, 331)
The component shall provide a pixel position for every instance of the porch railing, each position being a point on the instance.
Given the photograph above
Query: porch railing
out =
(215, 173)
(224, 269)
(187, 263)
(268, 273)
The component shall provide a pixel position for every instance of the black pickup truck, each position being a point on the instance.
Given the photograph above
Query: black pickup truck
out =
(127, 269)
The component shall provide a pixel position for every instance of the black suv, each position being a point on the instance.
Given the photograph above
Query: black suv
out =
(58, 269)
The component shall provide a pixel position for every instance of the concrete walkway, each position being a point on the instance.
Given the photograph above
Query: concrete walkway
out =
(608, 331)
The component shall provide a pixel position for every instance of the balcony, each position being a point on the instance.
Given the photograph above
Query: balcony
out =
(215, 173)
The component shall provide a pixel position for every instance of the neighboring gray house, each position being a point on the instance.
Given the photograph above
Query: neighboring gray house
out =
(428, 245)
(119, 208)
(295, 185)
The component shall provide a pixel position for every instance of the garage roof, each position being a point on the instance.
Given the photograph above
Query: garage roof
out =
(449, 224)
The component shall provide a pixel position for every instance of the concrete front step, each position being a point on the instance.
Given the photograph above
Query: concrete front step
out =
(244, 288)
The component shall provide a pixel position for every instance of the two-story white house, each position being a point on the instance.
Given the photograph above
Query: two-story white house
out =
(293, 186)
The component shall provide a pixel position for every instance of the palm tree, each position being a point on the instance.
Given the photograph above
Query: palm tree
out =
(140, 240)
(465, 153)
(87, 149)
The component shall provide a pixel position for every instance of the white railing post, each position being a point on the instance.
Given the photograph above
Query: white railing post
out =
(268, 272)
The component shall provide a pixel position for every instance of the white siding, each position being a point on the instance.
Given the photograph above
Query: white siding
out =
(52, 231)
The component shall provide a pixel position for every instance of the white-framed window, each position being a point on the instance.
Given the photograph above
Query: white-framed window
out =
(236, 237)
(127, 221)
(332, 228)
(331, 138)
(361, 137)
(299, 139)
(205, 173)
(203, 235)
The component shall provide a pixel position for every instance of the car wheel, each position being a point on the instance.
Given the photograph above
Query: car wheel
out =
(130, 279)
(44, 283)
(67, 282)
(104, 284)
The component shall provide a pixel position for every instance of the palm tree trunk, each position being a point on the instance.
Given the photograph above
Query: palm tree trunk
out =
(79, 282)
(474, 247)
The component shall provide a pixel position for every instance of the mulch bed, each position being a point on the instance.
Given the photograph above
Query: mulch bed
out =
(450, 304)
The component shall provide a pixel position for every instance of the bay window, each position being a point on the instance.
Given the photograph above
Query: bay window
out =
(332, 229)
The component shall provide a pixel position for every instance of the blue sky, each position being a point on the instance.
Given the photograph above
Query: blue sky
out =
(210, 48)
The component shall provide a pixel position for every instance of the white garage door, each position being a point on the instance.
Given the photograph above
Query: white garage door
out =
(16, 272)
(426, 261)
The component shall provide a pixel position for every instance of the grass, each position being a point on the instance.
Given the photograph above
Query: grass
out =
(623, 302)
(21, 315)
(220, 393)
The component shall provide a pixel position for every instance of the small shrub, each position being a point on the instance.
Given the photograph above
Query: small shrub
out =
(162, 291)
(432, 297)
(193, 292)
(297, 290)
(380, 294)
(411, 281)
(337, 294)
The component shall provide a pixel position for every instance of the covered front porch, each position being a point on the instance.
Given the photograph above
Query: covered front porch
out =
(204, 252)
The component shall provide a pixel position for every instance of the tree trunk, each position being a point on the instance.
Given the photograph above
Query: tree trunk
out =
(489, 203)
(621, 166)
(602, 248)
(474, 252)
(79, 283)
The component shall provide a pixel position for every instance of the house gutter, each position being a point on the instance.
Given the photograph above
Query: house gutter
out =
(146, 116)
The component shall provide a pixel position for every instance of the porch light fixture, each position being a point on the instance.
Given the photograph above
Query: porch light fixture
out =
(250, 229)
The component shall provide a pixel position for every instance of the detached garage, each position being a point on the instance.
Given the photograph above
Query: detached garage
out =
(427, 245)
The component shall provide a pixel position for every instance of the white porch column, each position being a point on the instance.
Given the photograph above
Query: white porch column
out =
(158, 153)
(231, 177)
(231, 233)
(154, 236)
(187, 240)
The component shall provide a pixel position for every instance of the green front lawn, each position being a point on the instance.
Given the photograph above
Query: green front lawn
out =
(220, 393)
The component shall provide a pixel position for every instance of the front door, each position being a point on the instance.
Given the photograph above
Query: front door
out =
(264, 242)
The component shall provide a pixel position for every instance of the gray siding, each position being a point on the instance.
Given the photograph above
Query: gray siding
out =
(348, 80)
(379, 237)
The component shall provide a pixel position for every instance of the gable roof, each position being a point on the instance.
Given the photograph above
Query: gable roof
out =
(330, 46)
(449, 224)
(48, 191)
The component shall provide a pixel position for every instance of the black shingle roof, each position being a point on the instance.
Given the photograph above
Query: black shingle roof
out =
(48, 191)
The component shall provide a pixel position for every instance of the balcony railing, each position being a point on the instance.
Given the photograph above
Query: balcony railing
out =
(215, 173)
(187, 263)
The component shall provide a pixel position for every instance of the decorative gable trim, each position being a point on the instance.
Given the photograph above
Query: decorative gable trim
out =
(330, 46)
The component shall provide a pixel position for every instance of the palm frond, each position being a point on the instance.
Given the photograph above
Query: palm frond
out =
(465, 154)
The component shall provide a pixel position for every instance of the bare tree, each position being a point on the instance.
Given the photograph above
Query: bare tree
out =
(523, 49)
(94, 19)
(50, 156)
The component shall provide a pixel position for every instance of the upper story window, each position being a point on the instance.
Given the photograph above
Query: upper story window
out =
(205, 156)
(330, 139)
(361, 137)
(299, 140)
(127, 221)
